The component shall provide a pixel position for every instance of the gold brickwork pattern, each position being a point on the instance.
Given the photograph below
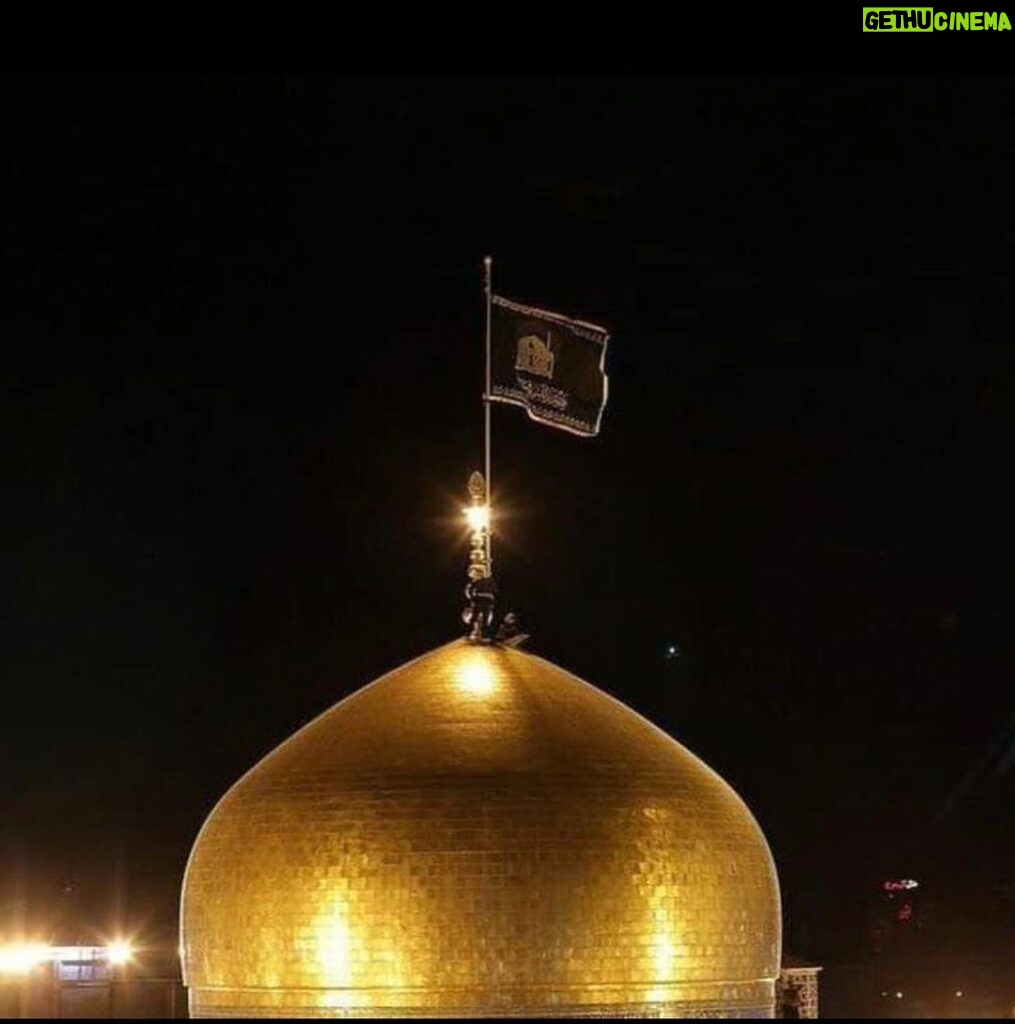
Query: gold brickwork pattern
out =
(480, 833)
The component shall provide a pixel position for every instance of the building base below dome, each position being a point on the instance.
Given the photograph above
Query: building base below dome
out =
(736, 1000)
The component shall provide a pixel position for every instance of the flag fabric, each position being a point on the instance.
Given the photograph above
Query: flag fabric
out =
(550, 365)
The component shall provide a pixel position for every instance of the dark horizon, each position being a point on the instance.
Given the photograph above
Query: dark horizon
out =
(247, 326)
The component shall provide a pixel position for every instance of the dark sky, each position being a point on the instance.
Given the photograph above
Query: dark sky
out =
(242, 321)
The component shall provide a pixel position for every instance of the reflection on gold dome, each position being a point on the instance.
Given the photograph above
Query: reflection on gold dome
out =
(479, 833)
(475, 674)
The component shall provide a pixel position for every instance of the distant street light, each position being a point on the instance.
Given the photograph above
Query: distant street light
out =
(119, 952)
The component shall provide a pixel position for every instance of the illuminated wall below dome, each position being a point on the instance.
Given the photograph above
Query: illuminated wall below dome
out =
(480, 833)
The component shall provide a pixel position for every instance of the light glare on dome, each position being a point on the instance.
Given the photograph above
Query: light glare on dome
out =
(663, 956)
(475, 677)
(333, 953)
(666, 955)
(336, 999)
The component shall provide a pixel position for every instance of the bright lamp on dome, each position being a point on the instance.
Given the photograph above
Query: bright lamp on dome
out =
(478, 517)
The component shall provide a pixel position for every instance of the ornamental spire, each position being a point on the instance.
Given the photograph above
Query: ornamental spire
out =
(481, 590)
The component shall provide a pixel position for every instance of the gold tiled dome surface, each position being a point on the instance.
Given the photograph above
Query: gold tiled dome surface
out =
(480, 833)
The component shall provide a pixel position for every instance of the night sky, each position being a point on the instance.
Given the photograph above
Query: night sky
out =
(243, 328)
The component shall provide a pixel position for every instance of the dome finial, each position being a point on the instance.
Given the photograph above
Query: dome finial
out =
(480, 590)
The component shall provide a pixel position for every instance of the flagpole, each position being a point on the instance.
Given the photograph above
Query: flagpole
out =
(487, 278)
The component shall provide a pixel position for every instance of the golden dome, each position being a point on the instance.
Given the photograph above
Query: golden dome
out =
(480, 833)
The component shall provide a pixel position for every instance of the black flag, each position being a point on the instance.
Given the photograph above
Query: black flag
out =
(548, 364)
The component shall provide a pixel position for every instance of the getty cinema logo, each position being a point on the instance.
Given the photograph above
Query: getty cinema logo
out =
(926, 19)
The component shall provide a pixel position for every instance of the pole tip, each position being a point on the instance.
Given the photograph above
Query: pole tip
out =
(487, 260)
